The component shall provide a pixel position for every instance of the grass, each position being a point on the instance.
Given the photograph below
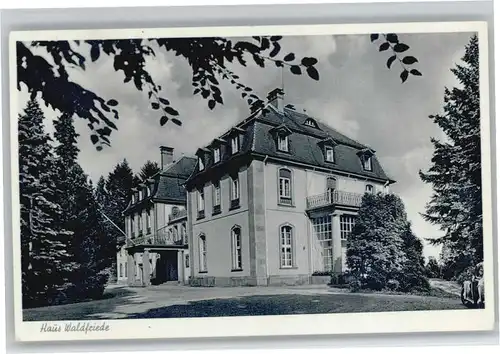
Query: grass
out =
(433, 292)
(300, 304)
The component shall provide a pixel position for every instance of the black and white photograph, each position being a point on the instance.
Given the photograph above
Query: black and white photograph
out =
(250, 174)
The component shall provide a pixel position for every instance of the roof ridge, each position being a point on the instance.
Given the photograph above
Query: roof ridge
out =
(321, 122)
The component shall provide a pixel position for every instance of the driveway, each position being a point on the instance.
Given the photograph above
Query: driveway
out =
(168, 301)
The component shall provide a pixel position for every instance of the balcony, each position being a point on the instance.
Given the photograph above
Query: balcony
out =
(160, 238)
(179, 214)
(334, 198)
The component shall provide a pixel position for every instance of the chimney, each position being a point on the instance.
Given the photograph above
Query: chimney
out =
(275, 97)
(167, 156)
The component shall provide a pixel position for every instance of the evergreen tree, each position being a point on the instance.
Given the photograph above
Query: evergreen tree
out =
(149, 170)
(414, 275)
(80, 216)
(46, 261)
(113, 195)
(375, 253)
(65, 134)
(455, 174)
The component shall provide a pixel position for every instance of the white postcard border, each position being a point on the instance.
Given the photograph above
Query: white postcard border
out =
(349, 323)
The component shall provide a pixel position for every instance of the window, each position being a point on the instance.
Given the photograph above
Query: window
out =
(236, 247)
(201, 203)
(311, 123)
(322, 228)
(235, 144)
(285, 186)
(346, 225)
(331, 187)
(367, 162)
(286, 251)
(132, 226)
(283, 142)
(184, 233)
(329, 155)
(120, 273)
(148, 221)
(139, 222)
(126, 267)
(203, 253)
(369, 188)
(217, 154)
(175, 234)
(187, 261)
(235, 192)
(216, 198)
(201, 165)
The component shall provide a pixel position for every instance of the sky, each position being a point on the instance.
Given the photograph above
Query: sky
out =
(356, 94)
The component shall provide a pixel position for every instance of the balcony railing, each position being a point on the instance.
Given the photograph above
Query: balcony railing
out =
(160, 238)
(334, 198)
(178, 215)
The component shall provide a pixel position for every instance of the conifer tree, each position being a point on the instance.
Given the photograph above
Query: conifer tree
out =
(455, 173)
(45, 259)
(80, 215)
(149, 169)
(414, 275)
(113, 195)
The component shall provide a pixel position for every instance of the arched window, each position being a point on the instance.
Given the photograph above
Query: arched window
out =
(286, 246)
(236, 248)
(369, 188)
(285, 186)
(203, 253)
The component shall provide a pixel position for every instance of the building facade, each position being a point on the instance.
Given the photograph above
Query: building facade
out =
(273, 199)
(155, 250)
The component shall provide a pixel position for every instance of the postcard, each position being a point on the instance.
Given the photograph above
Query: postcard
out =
(251, 181)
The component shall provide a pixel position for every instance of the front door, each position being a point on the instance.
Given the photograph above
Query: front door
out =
(171, 266)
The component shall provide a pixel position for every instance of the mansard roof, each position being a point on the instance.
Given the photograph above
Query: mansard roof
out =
(305, 143)
(167, 186)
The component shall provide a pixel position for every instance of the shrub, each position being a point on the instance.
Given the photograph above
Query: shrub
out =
(393, 285)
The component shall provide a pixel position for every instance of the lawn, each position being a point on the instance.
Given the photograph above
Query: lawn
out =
(176, 301)
(301, 304)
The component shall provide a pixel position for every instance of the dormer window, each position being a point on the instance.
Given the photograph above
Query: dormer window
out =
(216, 154)
(281, 134)
(201, 165)
(283, 142)
(367, 162)
(235, 144)
(311, 123)
(329, 154)
(366, 156)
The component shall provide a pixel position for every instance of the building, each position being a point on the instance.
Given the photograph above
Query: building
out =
(273, 199)
(156, 247)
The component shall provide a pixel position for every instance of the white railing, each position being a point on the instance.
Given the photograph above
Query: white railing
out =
(334, 198)
(161, 237)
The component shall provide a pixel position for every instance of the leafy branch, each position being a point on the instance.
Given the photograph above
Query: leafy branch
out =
(209, 59)
(391, 41)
